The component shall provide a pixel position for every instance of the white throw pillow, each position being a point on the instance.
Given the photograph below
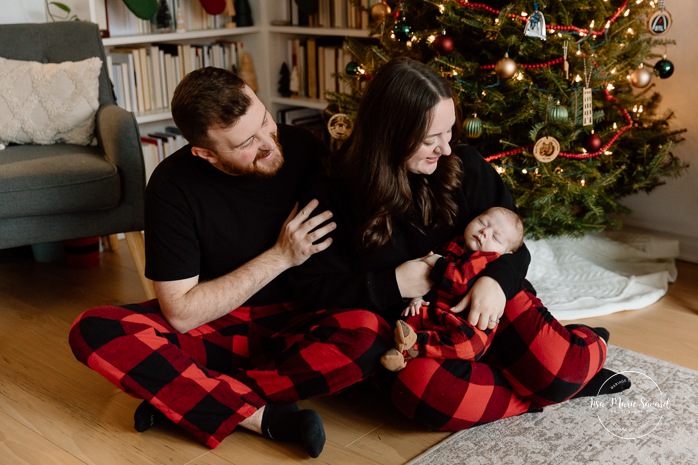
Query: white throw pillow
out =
(48, 103)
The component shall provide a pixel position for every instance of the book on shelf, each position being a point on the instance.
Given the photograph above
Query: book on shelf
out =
(308, 118)
(169, 143)
(292, 115)
(156, 67)
(311, 65)
(152, 148)
(337, 14)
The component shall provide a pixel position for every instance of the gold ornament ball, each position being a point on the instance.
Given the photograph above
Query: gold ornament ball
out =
(505, 68)
(379, 11)
(640, 78)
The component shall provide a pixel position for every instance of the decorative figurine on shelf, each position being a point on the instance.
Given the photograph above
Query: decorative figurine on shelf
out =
(243, 13)
(247, 71)
(230, 12)
(284, 81)
(179, 15)
(163, 17)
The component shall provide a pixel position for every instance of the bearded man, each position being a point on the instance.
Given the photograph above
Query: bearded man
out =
(225, 343)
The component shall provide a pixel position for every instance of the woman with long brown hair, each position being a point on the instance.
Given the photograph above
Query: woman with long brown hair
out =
(400, 188)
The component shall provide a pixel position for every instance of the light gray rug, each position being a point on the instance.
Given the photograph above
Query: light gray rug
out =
(653, 422)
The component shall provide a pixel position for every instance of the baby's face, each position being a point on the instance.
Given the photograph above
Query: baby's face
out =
(493, 231)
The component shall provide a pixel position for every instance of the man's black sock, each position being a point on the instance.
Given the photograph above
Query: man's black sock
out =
(147, 416)
(285, 422)
(605, 382)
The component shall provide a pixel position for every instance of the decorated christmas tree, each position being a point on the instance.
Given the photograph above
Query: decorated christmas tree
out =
(557, 95)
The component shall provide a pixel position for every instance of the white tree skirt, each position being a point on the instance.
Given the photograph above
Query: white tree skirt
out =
(600, 274)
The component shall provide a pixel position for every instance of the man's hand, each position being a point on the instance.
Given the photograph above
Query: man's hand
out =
(413, 276)
(486, 300)
(296, 242)
(188, 303)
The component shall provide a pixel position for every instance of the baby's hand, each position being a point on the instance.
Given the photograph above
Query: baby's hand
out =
(414, 307)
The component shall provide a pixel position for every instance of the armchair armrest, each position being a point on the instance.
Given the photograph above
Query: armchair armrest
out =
(119, 139)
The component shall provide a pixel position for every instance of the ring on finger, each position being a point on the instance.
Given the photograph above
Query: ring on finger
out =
(494, 321)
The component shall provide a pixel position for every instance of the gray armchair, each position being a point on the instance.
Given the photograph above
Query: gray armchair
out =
(55, 192)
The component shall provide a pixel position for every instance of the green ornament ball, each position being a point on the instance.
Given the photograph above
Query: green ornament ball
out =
(558, 113)
(664, 68)
(402, 31)
(352, 68)
(472, 127)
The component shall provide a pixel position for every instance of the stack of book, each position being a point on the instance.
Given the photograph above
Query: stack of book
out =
(339, 14)
(315, 64)
(308, 118)
(145, 77)
(159, 145)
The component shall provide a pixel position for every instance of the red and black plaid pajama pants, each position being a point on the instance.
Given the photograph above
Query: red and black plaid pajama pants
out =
(440, 332)
(211, 378)
(533, 361)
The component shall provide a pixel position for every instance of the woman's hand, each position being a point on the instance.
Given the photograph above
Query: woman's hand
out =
(413, 276)
(486, 300)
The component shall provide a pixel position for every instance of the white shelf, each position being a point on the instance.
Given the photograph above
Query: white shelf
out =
(153, 117)
(300, 102)
(178, 36)
(320, 31)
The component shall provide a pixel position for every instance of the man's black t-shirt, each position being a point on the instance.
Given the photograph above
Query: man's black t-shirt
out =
(201, 221)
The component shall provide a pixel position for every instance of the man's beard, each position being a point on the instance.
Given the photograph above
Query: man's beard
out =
(256, 170)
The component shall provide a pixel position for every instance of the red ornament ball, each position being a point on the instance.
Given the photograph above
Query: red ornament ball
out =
(443, 45)
(593, 143)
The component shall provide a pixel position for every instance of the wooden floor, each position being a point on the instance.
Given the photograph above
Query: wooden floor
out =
(54, 410)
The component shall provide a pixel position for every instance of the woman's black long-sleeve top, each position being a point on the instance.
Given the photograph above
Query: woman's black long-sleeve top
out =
(344, 277)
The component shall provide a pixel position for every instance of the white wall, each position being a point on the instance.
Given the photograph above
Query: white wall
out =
(671, 209)
(23, 11)
(34, 11)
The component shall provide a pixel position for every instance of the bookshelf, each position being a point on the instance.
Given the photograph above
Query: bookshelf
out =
(269, 42)
(331, 25)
